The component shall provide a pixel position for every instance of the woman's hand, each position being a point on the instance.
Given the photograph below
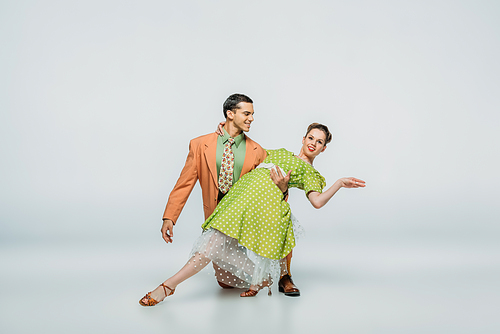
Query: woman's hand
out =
(319, 200)
(351, 182)
(219, 129)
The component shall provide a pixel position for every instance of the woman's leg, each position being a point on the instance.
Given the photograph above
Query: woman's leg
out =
(284, 264)
(192, 267)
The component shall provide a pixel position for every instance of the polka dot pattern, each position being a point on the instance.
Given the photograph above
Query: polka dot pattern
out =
(253, 211)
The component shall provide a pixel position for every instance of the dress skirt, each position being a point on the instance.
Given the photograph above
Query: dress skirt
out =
(239, 266)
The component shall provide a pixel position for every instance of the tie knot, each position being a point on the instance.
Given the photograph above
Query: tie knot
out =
(231, 141)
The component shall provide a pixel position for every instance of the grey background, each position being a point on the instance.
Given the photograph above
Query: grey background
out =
(99, 99)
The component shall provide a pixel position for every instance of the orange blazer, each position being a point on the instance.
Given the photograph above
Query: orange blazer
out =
(201, 166)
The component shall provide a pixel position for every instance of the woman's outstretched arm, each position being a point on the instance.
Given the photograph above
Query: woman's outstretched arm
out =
(318, 200)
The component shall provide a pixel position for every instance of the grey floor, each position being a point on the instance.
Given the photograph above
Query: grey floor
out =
(349, 285)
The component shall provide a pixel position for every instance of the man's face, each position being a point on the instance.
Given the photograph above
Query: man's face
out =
(242, 117)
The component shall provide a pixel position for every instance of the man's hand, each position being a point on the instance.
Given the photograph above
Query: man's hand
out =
(280, 180)
(167, 231)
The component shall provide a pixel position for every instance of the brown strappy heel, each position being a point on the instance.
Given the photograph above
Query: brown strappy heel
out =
(151, 301)
(249, 293)
(253, 293)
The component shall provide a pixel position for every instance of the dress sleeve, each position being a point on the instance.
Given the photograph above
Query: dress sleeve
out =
(313, 181)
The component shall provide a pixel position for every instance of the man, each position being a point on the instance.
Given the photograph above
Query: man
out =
(217, 162)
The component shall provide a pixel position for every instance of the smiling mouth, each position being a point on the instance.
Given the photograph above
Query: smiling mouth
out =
(311, 148)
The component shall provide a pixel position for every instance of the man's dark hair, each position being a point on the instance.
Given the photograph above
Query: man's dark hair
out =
(232, 101)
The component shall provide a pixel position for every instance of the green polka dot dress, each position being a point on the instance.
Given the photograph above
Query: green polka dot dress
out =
(253, 211)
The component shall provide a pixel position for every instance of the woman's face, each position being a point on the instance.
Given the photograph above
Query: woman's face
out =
(314, 143)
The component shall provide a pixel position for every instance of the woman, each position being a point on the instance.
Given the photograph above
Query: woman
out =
(251, 230)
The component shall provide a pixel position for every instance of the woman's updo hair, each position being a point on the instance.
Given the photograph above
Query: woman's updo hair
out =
(321, 127)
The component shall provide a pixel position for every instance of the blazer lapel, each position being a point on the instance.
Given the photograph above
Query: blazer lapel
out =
(250, 156)
(210, 157)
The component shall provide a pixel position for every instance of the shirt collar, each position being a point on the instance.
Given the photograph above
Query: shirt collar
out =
(237, 140)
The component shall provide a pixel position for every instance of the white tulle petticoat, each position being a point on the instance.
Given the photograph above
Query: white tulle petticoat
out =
(239, 266)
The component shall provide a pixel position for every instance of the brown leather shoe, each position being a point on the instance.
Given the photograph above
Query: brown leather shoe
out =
(287, 286)
(225, 286)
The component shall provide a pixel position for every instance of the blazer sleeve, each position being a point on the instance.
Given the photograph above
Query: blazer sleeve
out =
(182, 189)
(261, 154)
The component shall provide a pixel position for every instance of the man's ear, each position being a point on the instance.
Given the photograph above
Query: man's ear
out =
(230, 115)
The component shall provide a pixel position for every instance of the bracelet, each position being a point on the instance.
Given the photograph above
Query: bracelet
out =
(285, 194)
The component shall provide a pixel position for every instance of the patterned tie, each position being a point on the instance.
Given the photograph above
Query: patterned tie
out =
(226, 167)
